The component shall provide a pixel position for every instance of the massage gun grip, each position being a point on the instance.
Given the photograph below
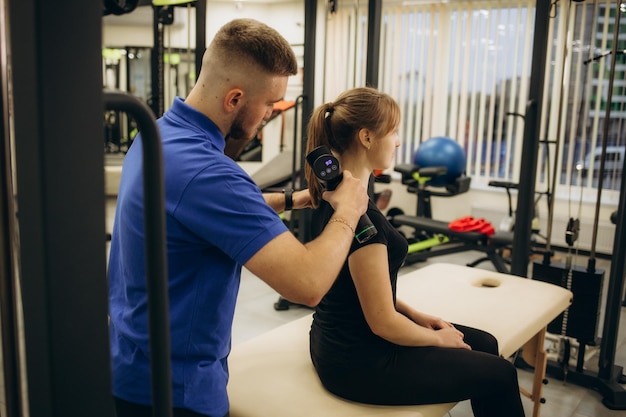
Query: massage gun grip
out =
(327, 170)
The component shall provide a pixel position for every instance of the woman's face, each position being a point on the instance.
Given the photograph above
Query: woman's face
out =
(385, 148)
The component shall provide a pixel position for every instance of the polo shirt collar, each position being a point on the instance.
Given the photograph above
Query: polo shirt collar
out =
(193, 117)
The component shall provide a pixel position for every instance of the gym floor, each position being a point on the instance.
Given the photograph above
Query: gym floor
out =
(255, 314)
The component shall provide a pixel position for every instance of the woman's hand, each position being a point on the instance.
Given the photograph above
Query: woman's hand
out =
(452, 338)
(431, 322)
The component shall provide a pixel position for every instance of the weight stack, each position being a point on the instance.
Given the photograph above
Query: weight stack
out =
(584, 313)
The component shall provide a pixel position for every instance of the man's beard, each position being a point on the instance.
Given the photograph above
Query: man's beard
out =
(237, 139)
(234, 147)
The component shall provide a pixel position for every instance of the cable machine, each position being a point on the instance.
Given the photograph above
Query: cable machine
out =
(609, 376)
(164, 16)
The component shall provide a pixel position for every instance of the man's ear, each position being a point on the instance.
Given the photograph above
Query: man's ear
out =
(233, 99)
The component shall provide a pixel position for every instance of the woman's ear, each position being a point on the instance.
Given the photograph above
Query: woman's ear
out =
(365, 138)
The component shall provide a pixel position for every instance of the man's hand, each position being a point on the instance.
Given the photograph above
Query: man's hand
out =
(349, 199)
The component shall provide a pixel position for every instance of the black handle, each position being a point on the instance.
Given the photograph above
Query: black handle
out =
(156, 261)
(327, 170)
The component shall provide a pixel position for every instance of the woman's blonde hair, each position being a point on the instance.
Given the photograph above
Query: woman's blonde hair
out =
(336, 125)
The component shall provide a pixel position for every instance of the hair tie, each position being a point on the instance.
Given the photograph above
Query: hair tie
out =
(327, 122)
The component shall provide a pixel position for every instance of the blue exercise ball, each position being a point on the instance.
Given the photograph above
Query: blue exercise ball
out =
(441, 151)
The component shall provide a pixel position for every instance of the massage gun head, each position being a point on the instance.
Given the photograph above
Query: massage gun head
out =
(325, 166)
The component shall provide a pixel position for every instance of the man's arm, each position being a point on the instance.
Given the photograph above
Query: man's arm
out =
(303, 273)
(299, 200)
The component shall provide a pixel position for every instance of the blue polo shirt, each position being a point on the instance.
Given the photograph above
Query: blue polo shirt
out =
(216, 220)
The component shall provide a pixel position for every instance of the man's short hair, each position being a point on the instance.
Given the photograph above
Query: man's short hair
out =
(244, 40)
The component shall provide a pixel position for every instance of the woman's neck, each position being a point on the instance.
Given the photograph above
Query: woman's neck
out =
(358, 168)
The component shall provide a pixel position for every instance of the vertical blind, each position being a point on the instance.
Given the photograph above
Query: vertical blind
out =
(462, 68)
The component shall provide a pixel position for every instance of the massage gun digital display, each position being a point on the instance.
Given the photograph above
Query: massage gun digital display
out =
(327, 170)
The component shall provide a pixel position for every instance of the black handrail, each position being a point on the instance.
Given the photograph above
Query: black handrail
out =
(155, 247)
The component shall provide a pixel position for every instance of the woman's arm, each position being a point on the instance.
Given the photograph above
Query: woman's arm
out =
(405, 326)
(423, 319)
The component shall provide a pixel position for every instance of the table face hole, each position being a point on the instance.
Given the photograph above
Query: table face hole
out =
(487, 283)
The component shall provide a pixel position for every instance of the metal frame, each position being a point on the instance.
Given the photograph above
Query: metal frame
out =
(57, 115)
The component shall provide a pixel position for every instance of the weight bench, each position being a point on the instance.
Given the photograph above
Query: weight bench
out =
(456, 242)
(434, 237)
(272, 374)
(275, 173)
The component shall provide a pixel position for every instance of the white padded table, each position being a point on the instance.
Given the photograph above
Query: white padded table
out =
(272, 374)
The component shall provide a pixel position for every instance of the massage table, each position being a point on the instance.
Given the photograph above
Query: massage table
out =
(272, 374)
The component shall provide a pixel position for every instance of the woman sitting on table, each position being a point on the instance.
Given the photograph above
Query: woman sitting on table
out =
(366, 345)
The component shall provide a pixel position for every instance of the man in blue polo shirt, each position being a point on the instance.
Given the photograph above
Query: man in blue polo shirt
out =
(217, 221)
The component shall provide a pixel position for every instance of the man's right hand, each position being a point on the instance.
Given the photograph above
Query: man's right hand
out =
(349, 199)
(294, 269)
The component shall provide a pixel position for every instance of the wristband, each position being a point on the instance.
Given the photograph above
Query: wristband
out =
(288, 199)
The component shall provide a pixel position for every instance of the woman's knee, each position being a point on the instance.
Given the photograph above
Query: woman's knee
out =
(481, 341)
(505, 375)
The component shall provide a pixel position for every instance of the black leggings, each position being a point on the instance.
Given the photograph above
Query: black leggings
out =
(128, 409)
(433, 375)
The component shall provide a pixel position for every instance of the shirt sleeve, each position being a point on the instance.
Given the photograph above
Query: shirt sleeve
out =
(226, 209)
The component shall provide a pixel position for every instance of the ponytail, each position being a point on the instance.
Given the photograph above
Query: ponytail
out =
(318, 132)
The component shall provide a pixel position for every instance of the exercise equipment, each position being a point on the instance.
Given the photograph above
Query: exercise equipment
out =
(272, 374)
(539, 244)
(432, 237)
(441, 151)
(163, 11)
(613, 217)
(587, 284)
(156, 255)
(118, 7)
(275, 173)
